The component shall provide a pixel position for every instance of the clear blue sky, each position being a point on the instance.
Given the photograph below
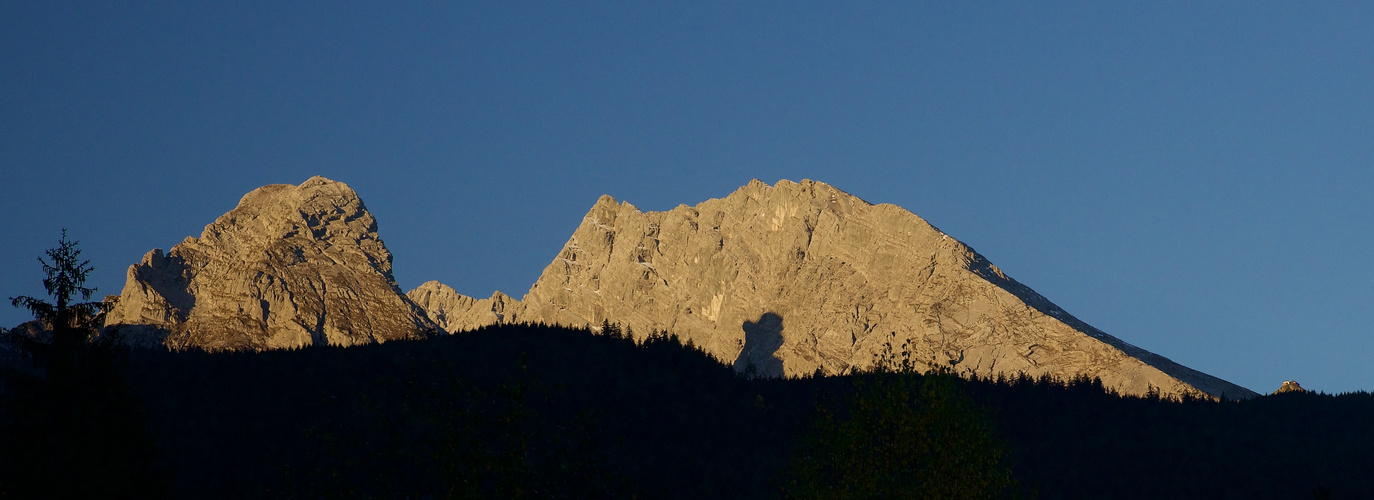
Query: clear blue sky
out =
(1194, 178)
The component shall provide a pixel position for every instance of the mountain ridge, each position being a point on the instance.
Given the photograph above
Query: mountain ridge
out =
(787, 279)
(889, 275)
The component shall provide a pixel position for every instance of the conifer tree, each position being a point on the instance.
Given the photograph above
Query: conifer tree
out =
(71, 322)
(77, 433)
(902, 435)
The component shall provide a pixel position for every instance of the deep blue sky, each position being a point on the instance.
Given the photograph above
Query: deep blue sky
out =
(1194, 179)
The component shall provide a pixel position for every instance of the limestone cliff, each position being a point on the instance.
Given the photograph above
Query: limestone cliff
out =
(797, 277)
(455, 312)
(290, 266)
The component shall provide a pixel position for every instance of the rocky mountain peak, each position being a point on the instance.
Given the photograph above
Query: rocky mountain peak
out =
(796, 277)
(1290, 386)
(290, 266)
(456, 312)
(319, 210)
(775, 280)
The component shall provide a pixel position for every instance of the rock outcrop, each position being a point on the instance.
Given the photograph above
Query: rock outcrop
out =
(1290, 386)
(291, 266)
(800, 277)
(455, 312)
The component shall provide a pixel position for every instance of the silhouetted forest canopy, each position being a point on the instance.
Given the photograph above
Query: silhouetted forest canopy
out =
(541, 411)
(536, 411)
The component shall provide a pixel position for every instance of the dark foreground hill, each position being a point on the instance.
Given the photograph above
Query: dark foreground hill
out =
(545, 412)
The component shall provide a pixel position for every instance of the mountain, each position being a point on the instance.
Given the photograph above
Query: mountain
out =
(783, 280)
(290, 266)
(455, 312)
(1290, 386)
(795, 278)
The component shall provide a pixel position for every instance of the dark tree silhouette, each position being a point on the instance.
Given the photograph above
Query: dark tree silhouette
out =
(74, 432)
(902, 435)
(71, 322)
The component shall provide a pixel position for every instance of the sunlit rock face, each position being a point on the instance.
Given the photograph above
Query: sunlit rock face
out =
(798, 277)
(456, 312)
(1290, 386)
(291, 266)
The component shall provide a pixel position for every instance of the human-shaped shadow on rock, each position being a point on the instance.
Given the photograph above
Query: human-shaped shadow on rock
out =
(758, 355)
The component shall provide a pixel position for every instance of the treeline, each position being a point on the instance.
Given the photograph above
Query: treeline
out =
(547, 412)
(513, 411)
(1075, 440)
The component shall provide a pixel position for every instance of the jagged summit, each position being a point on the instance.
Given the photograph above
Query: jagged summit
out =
(1290, 386)
(795, 277)
(788, 279)
(290, 266)
(456, 312)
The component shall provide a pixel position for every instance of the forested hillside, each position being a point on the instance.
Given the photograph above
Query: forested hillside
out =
(533, 411)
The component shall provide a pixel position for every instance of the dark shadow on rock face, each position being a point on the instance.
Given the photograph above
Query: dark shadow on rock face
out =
(146, 336)
(762, 339)
(169, 276)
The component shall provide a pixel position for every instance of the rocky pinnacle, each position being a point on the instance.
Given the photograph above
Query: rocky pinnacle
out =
(291, 266)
